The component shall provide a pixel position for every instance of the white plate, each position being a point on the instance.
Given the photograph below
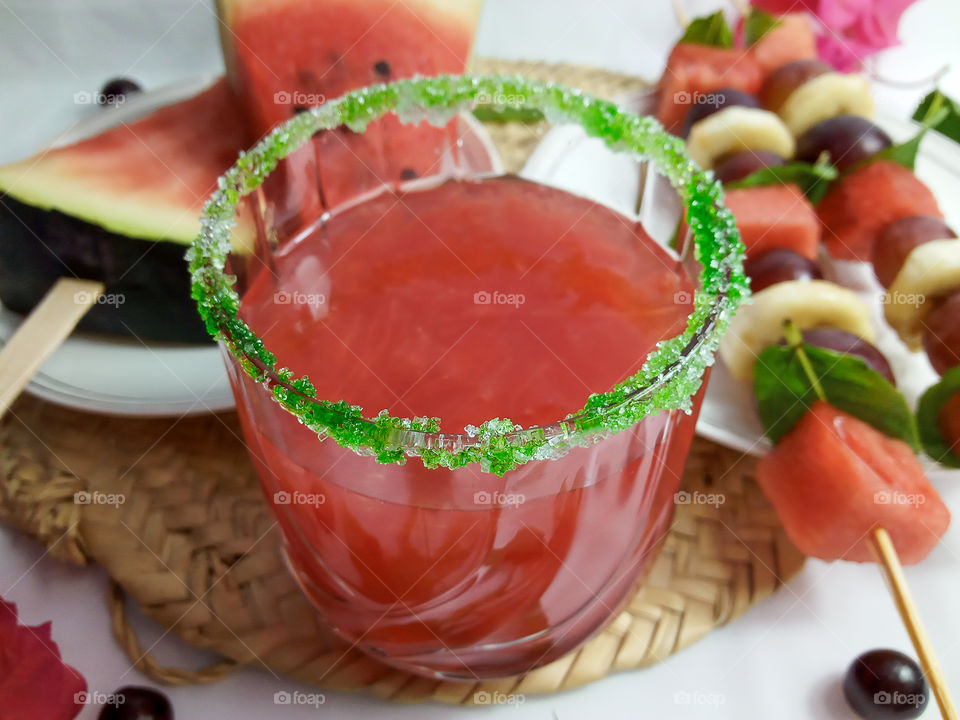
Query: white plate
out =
(123, 376)
(567, 158)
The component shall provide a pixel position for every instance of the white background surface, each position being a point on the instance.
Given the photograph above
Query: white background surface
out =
(782, 660)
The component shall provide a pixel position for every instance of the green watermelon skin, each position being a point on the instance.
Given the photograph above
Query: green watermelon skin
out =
(307, 51)
(121, 207)
(833, 478)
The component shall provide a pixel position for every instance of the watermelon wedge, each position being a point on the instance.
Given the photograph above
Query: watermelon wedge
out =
(833, 478)
(860, 204)
(286, 55)
(693, 69)
(792, 39)
(775, 216)
(121, 207)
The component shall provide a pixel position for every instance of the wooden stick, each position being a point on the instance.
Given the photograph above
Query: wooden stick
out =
(43, 331)
(681, 13)
(888, 558)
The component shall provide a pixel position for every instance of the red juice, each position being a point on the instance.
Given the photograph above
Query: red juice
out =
(466, 301)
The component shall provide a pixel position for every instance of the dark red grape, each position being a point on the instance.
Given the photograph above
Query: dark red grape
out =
(781, 83)
(780, 265)
(948, 419)
(738, 165)
(117, 90)
(885, 684)
(847, 138)
(897, 239)
(138, 703)
(941, 334)
(850, 344)
(706, 104)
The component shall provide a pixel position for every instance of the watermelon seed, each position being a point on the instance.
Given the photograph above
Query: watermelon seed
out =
(382, 68)
(409, 174)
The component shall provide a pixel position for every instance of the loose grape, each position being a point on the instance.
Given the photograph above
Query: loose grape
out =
(117, 90)
(847, 138)
(897, 239)
(137, 703)
(885, 684)
(850, 344)
(706, 104)
(780, 265)
(738, 165)
(781, 83)
(941, 334)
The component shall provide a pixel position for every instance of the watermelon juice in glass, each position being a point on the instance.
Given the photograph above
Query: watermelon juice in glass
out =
(469, 397)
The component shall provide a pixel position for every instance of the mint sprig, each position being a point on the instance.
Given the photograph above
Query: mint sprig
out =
(941, 113)
(711, 30)
(928, 412)
(930, 115)
(757, 24)
(813, 180)
(789, 378)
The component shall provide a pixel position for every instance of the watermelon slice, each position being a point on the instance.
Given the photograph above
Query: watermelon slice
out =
(792, 39)
(286, 55)
(833, 478)
(860, 204)
(693, 69)
(121, 207)
(775, 216)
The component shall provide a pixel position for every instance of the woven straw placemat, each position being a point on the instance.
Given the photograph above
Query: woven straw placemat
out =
(192, 541)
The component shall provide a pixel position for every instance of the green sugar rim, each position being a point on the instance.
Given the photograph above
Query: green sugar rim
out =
(669, 378)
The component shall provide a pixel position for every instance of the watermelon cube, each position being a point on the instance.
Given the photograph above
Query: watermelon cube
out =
(775, 216)
(791, 40)
(695, 69)
(860, 204)
(833, 479)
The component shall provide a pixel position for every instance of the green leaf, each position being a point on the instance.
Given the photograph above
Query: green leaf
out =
(929, 115)
(711, 30)
(904, 153)
(812, 180)
(928, 410)
(785, 389)
(758, 24)
(941, 113)
(489, 113)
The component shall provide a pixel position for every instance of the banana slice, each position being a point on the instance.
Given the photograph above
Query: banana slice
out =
(931, 270)
(826, 96)
(808, 303)
(735, 129)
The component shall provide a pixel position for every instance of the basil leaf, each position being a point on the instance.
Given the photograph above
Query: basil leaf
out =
(812, 180)
(711, 30)
(758, 24)
(941, 113)
(489, 113)
(785, 390)
(928, 410)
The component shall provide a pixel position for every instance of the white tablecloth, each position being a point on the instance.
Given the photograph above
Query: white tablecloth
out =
(782, 660)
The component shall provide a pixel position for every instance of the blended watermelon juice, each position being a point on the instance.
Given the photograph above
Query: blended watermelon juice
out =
(468, 300)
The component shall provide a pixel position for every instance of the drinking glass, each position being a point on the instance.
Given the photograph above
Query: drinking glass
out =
(489, 550)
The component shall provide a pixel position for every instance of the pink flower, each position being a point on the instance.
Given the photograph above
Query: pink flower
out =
(849, 30)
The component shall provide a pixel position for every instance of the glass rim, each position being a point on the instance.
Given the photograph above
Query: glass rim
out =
(667, 380)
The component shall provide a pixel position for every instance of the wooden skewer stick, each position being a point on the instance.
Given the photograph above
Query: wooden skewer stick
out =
(43, 331)
(681, 13)
(887, 555)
